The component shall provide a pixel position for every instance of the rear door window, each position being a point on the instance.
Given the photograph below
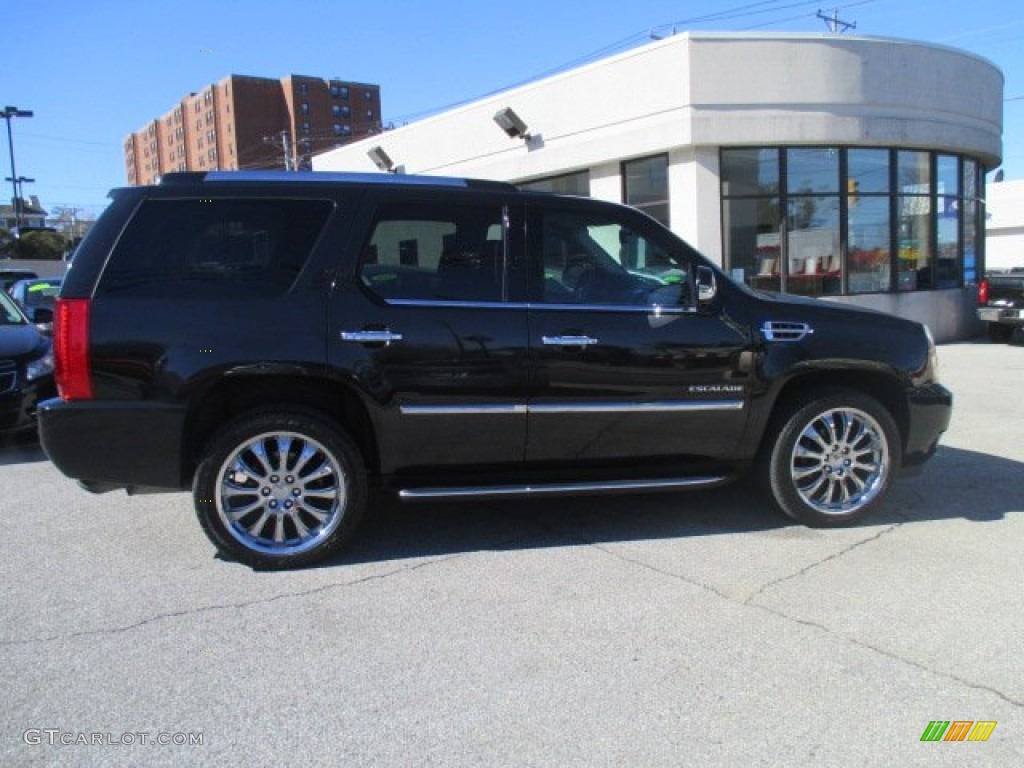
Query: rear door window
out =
(436, 253)
(214, 248)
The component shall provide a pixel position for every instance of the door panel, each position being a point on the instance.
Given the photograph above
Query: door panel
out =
(623, 364)
(425, 323)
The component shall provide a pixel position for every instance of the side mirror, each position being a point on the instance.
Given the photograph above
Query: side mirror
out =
(42, 315)
(707, 288)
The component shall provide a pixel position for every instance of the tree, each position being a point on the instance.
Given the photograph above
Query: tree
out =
(40, 245)
(8, 243)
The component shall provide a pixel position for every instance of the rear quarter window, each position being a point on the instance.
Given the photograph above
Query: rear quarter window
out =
(214, 248)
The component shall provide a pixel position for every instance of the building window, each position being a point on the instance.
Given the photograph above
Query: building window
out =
(367, 95)
(869, 221)
(369, 114)
(305, 127)
(339, 91)
(304, 108)
(913, 222)
(565, 184)
(304, 89)
(828, 221)
(645, 186)
(813, 260)
(972, 228)
(948, 265)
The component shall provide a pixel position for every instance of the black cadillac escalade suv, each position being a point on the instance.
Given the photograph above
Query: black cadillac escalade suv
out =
(278, 343)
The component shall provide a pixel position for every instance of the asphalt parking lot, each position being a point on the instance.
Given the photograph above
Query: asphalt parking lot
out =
(664, 630)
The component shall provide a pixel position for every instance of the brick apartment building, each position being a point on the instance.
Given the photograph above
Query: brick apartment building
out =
(252, 122)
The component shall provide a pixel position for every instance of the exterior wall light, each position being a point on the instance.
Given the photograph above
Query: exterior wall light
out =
(381, 159)
(511, 124)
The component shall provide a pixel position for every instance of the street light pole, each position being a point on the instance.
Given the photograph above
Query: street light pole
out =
(8, 113)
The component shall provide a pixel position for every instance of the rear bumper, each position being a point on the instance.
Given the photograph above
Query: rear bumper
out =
(931, 408)
(999, 315)
(115, 445)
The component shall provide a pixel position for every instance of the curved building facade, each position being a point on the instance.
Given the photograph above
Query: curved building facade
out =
(847, 168)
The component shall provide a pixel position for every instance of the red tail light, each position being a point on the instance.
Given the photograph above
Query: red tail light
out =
(983, 292)
(71, 349)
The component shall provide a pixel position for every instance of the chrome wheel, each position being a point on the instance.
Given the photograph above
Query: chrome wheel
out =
(281, 493)
(840, 461)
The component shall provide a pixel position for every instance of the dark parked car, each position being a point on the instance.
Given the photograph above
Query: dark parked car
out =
(10, 276)
(276, 343)
(36, 298)
(26, 368)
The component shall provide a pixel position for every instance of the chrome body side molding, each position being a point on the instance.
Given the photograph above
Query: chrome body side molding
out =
(561, 489)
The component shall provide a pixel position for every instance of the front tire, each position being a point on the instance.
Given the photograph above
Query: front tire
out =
(280, 489)
(833, 459)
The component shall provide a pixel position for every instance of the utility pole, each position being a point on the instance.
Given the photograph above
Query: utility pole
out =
(288, 157)
(283, 140)
(834, 23)
(7, 114)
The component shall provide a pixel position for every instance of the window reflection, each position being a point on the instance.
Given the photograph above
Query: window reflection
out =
(868, 247)
(813, 262)
(859, 219)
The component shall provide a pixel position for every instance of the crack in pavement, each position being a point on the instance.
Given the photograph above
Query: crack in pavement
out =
(810, 567)
(805, 622)
(227, 606)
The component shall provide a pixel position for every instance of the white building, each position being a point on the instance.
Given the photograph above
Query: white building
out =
(1004, 227)
(843, 167)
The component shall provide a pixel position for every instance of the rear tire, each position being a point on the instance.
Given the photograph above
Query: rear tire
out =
(833, 459)
(1000, 333)
(280, 489)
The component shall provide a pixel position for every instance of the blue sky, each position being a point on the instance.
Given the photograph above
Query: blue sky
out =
(95, 70)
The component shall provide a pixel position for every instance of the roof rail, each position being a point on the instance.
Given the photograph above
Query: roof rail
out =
(323, 177)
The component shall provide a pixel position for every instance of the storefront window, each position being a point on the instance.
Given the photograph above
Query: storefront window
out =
(913, 227)
(971, 230)
(566, 184)
(869, 238)
(751, 217)
(750, 172)
(868, 251)
(812, 171)
(857, 220)
(813, 258)
(753, 247)
(645, 186)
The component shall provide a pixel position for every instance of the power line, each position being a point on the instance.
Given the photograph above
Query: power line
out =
(742, 11)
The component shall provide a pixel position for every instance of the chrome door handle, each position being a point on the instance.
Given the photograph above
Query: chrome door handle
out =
(568, 341)
(371, 337)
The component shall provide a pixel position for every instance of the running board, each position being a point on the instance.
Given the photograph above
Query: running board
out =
(560, 489)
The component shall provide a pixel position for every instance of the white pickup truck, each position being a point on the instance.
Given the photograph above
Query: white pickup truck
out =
(1001, 303)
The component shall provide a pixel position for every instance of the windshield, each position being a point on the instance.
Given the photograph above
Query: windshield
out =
(9, 312)
(42, 293)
